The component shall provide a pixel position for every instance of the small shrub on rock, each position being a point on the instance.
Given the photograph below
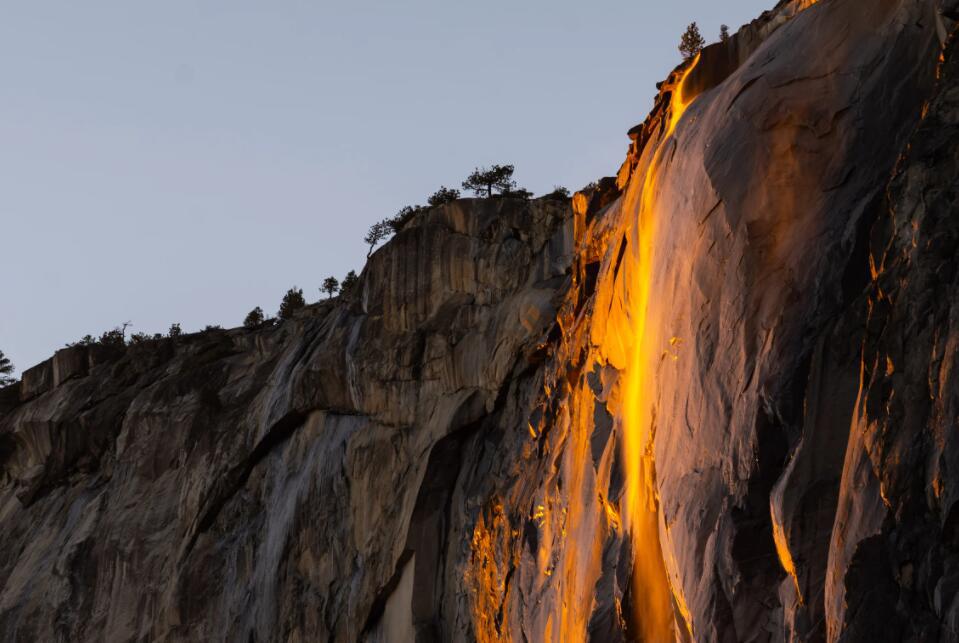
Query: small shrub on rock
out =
(116, 337)
(403, 217)
(520, 193)
(443, 195)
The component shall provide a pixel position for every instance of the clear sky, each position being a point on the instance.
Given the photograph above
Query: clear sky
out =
(185, 161)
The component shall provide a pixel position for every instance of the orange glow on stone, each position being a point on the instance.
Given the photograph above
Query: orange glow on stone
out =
(653, 593)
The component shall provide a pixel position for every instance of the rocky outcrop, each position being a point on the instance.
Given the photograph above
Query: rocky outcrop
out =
(708, 399)
(275, 484)
(894, 553)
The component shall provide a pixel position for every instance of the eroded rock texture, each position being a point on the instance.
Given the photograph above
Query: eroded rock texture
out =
(711, 399)
(273, 485)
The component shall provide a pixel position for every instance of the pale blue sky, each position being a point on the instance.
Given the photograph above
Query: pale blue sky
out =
(186, 161)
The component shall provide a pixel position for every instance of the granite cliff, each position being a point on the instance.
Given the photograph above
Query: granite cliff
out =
(709, 399)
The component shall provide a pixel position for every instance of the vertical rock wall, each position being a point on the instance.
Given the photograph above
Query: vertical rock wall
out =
(710, 399)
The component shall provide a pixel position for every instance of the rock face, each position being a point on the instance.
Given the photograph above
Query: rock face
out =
(711, 399)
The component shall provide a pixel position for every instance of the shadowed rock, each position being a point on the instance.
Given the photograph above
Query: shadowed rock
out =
(445, 455)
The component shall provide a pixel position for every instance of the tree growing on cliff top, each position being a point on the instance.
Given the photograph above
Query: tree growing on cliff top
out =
(6, 368)
(330, 286)
(692, 41)
(443, 195)
(723, 33)
(139, 338)
(519, 193)
(254, 319)
(379, 231)
(292, 301)
(483, 181)
(398, 221)
(116, 337)
(349, 283)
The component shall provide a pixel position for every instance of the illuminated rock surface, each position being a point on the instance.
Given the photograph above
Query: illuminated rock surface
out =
(711, 399)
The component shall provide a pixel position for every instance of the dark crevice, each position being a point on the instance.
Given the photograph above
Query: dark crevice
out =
(236, 478)
(277, 435)
(429, 529)
(588, 287)
(856, 276)
(383, 595)
(619, 256)
(711, 212)
(742, 90)
(430, 525)
(501, 612)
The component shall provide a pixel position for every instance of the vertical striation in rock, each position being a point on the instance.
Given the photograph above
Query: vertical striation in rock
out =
(710, 399)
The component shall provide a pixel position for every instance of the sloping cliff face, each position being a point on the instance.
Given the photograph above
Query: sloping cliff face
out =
(274, 485)
(711, 399)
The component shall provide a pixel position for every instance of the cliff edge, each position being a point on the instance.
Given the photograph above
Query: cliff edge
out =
(710, 399)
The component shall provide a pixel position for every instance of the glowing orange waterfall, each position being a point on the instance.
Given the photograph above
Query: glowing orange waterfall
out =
(652, 596)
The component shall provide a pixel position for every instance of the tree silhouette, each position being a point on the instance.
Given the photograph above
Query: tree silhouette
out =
(692, 41)
(6, 368)
(485, 180)
(398, 221)
(378, 232)
(113, 338)
(292, 301)
(349, 283)
(174, 331)
(254, 318)
(330, 286)
(443, 195)
(116, 337)
(723, 33)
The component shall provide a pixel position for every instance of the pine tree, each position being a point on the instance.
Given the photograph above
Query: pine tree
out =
(723, 33)
(378, 232)
(348, 284)
(6, 368)
(692, 41)
(292, 301)
(483, 181)
(443, 195)
(330, 286)
(254, 319)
